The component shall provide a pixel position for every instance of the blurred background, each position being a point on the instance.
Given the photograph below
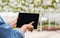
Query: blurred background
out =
(49, 11)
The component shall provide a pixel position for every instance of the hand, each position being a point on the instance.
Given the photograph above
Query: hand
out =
(24, 27)
(30, 26)
(14, 23)
(27, 27)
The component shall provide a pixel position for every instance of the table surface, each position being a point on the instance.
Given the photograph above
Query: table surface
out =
(42, 34)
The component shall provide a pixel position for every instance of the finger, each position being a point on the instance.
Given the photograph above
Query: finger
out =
(31, 29)
(31, 22)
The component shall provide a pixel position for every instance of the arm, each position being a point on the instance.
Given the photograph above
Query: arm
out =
(6, 30)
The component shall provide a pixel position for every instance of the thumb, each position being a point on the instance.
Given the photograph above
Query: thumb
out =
(31, 22)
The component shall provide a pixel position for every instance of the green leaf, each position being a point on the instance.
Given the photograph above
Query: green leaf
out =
(53, 1)
(5, 1)
(32, 2)
(45, 7)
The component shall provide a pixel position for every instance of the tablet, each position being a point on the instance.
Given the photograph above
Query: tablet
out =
(26, 18)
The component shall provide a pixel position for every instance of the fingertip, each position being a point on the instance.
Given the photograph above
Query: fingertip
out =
(31, 22)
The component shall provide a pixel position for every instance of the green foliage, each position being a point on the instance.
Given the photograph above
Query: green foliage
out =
(53, 1)
(52, 23)
(26, 4)
(32, 2)
(45, 23)
(45, 7)
(5, 1)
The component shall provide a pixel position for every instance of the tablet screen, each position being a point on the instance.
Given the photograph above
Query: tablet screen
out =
(26, 18)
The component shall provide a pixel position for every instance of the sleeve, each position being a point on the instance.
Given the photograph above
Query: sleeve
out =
(20, 33)
(1, 21)
(6, 31)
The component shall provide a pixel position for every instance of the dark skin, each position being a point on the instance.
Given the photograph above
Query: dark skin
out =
(25, 27)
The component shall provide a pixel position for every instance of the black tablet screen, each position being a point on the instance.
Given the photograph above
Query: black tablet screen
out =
(25, 18)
